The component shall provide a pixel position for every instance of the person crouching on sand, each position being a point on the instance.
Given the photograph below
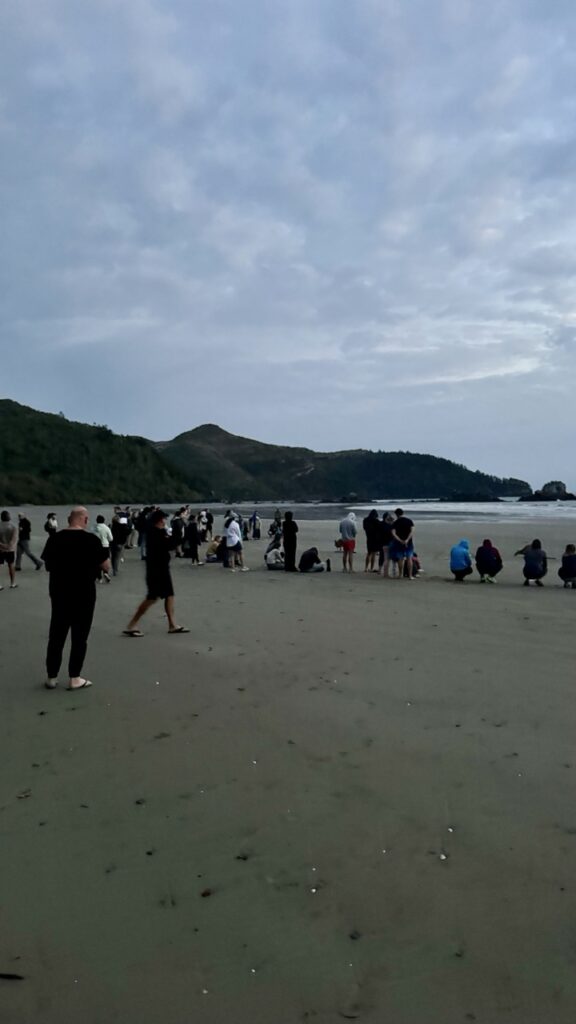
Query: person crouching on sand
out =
(567, 571)
(488, 562)
(535, 562)
(158, 578)
(460, 561)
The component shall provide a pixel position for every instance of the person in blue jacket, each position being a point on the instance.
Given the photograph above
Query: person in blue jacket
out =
(460, 561)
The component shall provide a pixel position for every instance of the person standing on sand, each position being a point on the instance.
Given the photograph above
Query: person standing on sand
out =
(74, 559)
(24, 534)
(348, 535)
(158, 579)
(104, 534)
(289, 533)
(372, 529)
(386, 524)
(8, 544)
(402, 546)
(51, 524)
(234, 554)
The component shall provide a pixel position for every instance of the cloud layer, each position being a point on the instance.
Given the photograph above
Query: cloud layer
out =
(340, 225)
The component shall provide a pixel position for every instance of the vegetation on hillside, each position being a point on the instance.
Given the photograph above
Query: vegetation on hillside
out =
(47, 459)
(228, 467)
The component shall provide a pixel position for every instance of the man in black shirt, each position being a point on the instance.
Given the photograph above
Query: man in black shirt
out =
(402, 546)
(73, 558)
(158, 578)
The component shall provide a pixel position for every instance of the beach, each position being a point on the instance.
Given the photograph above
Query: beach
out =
(337, 798)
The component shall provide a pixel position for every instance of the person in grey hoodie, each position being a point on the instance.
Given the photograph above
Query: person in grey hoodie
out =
(348, 534)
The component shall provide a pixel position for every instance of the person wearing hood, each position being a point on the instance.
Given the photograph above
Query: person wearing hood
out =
(348, 535)
(460, 561)
(488, 562)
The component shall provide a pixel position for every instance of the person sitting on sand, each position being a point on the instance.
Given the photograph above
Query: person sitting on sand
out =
(310, 561)
(535, 562)
(274, 559)
(488, 562)
(158, 578)
(348, 535)
(567, 571)
(372, 529)
(213, 553)
(460, 561)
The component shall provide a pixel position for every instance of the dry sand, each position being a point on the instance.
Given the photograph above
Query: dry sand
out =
(337, 798)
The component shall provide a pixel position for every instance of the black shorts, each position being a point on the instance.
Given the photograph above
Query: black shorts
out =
(7, 557)
(159, 586)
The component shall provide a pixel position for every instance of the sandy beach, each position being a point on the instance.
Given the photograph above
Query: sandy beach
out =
(337, 798)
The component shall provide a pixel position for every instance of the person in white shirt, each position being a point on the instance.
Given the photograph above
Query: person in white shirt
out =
(104, 534)
(234, 544)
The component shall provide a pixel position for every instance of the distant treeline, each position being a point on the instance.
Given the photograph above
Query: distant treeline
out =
(45, 458)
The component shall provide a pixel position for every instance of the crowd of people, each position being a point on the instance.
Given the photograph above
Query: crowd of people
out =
(77, 558)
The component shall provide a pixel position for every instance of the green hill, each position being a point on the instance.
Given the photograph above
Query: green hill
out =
(47, 459)
(228, 467)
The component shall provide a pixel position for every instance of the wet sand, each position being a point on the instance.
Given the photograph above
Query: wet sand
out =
(337, 798)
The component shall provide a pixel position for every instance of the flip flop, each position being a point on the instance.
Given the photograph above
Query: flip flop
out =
(180, 629)
(83, 685)
(132, 632)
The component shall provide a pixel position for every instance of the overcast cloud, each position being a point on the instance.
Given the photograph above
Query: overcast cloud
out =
(337, 224)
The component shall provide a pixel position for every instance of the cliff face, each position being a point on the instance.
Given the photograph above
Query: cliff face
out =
(555, 490)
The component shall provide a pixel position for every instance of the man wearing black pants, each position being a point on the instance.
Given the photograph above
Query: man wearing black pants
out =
(74, 560)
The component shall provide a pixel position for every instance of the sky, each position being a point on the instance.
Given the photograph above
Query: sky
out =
(331, 223)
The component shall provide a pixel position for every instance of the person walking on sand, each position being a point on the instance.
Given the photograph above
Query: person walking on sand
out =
(23, 548)
(348, 535)
(289, 534)
(74, 559)
(8, 544)
(535, 563)
(460, 561)
(402, 546)
(158, 579)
